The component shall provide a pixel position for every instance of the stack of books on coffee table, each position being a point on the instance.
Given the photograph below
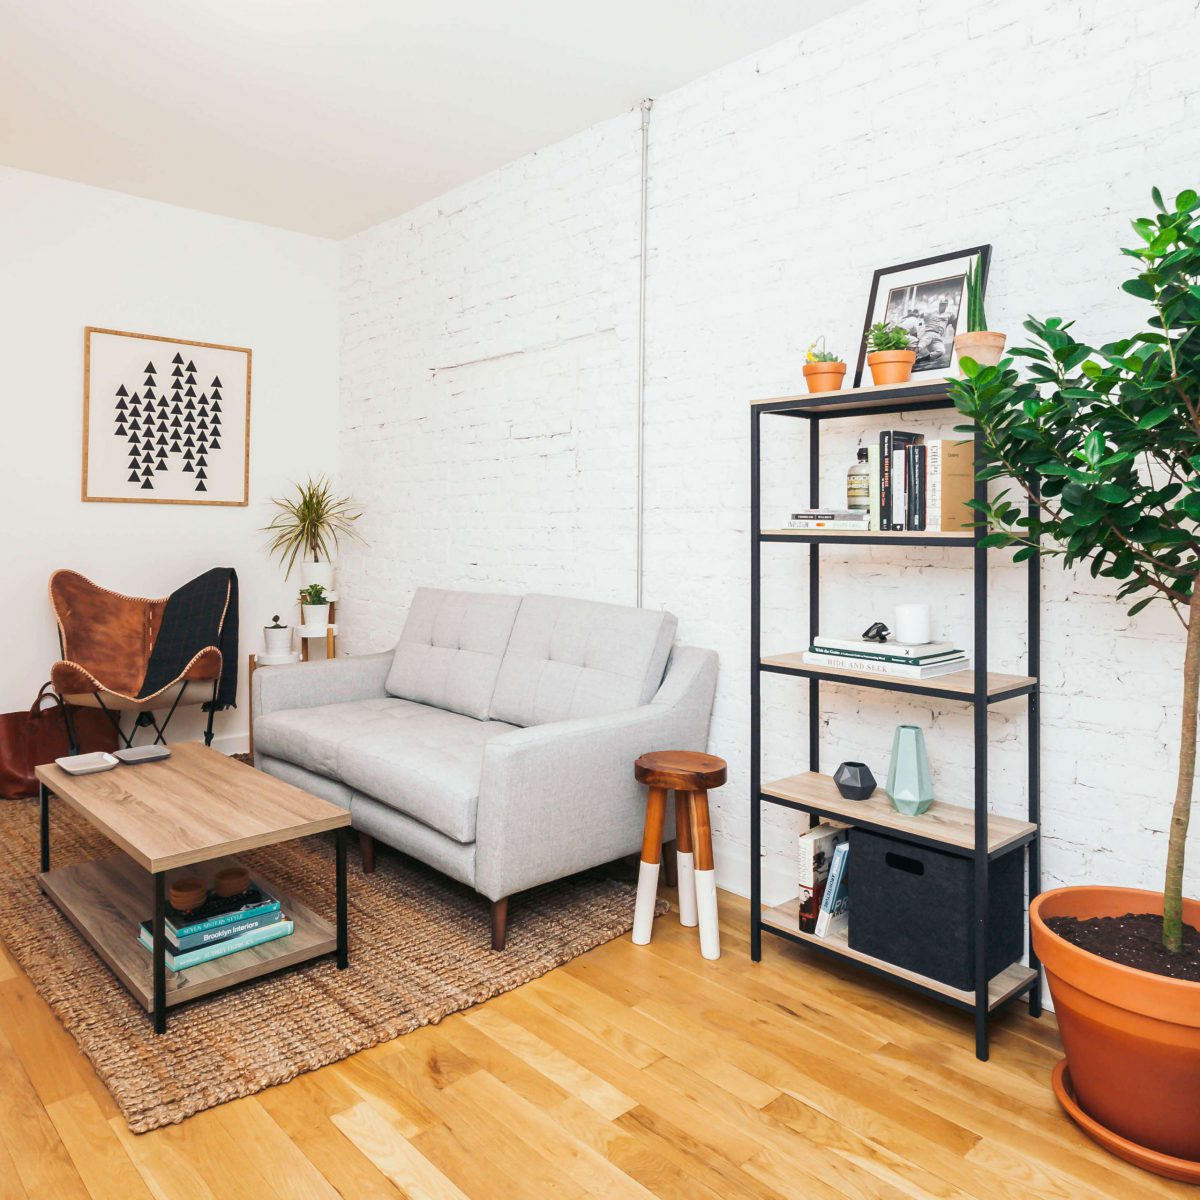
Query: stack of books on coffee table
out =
(899, 660)
(218, 927)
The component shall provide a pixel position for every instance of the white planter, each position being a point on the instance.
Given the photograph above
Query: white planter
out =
(315, 614)
(278, 641)
(317, 572)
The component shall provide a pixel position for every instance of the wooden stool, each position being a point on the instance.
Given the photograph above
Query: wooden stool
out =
(691, 775)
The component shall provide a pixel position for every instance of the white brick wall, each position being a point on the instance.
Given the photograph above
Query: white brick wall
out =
(489, 365)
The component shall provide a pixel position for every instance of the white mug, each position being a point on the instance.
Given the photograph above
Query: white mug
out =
(913, 624)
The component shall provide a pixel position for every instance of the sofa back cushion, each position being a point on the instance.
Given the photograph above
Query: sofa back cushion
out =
(450, 650)
(579, 658)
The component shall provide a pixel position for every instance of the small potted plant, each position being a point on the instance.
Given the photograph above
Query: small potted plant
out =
(277, 637)
(823, 370)
(314, 605)
(1102, 443)
(977, 341)
(888, 353)
(308, 526)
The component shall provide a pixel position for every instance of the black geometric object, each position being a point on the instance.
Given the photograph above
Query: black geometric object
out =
(177, 359)
(854, 780)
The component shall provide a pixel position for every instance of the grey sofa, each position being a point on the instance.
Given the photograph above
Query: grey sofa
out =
(496, 741)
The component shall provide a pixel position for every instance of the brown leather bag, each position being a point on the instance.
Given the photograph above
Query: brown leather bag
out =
(40, 736)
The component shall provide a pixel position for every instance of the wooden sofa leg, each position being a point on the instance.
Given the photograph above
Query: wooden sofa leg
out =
(366, 850)
(499, 923)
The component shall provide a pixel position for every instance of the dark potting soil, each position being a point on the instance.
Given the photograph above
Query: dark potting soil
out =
(1134, 940)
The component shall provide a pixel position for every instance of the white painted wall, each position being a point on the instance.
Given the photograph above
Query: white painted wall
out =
(489, 354)
(72, 256)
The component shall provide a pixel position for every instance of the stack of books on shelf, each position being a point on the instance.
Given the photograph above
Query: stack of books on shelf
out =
(219, 926)
(824, 880)
(899, 660)
(920, 485)
(853, 520)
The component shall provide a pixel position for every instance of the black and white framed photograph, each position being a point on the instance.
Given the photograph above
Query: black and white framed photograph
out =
(928, 300)
(165, 421)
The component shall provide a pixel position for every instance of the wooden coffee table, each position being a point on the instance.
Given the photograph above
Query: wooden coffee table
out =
(196, 807)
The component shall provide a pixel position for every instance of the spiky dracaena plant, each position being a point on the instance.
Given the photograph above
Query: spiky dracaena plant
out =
(310, 522)
(1104, 443)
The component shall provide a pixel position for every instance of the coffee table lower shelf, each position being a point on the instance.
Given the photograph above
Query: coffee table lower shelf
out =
(107, 899)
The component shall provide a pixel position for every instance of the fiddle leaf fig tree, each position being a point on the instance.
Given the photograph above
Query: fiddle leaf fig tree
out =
(1102, 448)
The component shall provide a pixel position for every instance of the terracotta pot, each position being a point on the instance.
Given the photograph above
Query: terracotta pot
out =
(824, 376)
(186, 892)
(984, 346)
(1132, 1038)
(231, 881)
(891, 366)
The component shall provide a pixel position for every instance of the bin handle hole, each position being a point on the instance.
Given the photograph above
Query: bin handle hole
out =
(902, 863)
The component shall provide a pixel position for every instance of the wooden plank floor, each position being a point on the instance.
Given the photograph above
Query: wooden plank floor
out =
(631, 1072)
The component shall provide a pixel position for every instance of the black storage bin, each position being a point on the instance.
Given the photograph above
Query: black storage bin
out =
(915, 907)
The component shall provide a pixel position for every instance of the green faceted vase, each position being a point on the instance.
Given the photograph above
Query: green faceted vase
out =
(909, 783)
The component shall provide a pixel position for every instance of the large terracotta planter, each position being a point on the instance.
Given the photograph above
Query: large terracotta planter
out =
(824, 376)
(1132, 1038)
(891, 366)
(985, 346)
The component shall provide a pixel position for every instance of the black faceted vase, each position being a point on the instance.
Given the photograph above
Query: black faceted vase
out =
(854, 780)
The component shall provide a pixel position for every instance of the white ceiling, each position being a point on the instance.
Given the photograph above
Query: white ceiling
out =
(327, 116)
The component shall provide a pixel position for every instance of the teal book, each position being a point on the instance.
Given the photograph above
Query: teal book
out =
(193, 958)
(209, 937)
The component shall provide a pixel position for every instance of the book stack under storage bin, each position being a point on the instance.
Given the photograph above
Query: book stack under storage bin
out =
(961, 827)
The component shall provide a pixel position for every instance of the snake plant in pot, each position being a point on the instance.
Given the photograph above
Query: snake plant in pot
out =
(976, 340)
(1103, 444)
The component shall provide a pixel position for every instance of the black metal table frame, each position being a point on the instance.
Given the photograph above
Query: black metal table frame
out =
(158, 1012)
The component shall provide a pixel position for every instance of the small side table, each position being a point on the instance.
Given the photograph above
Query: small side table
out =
(690, 774)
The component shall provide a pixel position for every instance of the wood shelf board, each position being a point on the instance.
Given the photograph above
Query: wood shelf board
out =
(951, 824)
(859, 398)
(195, 806)
(916, 536)
(108, 898)
(960, 682)
(785, 917)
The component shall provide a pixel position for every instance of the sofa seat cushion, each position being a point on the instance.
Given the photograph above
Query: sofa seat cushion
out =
(450, 649)
(580, 658)
(419, 760)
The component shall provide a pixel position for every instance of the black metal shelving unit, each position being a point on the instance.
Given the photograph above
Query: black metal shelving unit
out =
(956, 830)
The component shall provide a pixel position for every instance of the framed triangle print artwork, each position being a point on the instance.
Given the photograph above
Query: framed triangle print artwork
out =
(165, 420)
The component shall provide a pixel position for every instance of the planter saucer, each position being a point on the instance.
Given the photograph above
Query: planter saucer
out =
(1114, 1143)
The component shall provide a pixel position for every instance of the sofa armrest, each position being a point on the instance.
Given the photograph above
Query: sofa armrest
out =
(559, 798)
(330, 681)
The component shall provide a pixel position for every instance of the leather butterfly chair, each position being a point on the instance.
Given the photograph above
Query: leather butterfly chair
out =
(141, 655)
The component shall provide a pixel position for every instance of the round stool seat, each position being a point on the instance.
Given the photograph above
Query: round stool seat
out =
(682, 770)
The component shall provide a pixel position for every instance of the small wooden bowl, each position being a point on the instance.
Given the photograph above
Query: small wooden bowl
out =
(231, 881)
(186, 892)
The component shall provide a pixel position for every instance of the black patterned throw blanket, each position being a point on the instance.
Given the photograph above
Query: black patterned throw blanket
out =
(202, 613)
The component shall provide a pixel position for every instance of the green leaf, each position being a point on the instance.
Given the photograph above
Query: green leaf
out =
(1113, 493)
(1139, 288)
(1155, 416)
(1187, 200)
(1137, 608)
(1024, 553)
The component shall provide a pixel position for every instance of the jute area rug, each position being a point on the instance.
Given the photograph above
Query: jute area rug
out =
(419, 950)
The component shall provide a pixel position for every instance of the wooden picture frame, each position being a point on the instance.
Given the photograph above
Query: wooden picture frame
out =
(946, 271)
(169, 432)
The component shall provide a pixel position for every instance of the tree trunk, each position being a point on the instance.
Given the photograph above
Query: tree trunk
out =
(1177, 847)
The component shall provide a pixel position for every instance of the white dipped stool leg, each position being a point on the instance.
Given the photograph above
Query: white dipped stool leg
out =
(706, 879)
(647, 893)
(685, 860)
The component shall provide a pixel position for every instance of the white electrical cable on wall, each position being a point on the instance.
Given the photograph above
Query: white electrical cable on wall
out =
(647, 105)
